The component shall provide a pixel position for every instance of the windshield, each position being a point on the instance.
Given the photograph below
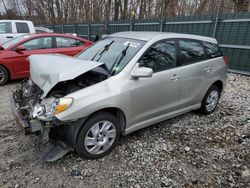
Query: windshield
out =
(108, 51)
(14, 41)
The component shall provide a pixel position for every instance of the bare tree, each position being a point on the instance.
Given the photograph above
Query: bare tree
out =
(74, 11)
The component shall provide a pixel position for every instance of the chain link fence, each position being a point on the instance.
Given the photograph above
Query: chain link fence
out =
(231, 29)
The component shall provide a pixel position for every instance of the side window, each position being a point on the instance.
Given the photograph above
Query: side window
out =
(213, 50)
(191, 51)
(39, 43)
(22, 27)
(5, 27)
(64, 42)
(160, 57)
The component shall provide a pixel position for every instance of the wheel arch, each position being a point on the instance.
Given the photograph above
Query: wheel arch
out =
(117, 112)
(219, 84)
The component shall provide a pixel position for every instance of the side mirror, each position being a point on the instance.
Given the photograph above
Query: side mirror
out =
(142, 72)
(20, 48)
(1, 48)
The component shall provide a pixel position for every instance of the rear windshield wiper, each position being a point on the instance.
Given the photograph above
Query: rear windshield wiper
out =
(118, 60)
(102, 50)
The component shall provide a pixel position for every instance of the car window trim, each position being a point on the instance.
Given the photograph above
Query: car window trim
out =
(176, 54)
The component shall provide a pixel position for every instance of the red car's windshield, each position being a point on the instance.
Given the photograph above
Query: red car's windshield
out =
(14, 41)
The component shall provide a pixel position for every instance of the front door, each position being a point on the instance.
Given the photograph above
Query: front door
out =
(42, 45)
(158, 95)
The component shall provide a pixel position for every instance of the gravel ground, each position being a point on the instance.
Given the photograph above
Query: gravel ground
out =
(188, 151)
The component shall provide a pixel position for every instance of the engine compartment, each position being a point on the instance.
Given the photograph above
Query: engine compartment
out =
(87, 79)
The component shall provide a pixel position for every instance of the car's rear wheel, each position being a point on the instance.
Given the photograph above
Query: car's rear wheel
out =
(98, 136)
(210, 100)
(4, 76)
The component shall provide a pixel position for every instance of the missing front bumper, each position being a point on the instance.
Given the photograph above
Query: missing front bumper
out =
(49, 149)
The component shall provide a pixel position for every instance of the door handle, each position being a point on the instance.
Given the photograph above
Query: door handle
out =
(207, 69)
(9, 37)
(174, 77)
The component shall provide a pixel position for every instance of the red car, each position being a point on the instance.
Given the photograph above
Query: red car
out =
(13, 54)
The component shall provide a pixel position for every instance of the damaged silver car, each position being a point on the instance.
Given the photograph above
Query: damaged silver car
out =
(120, 84)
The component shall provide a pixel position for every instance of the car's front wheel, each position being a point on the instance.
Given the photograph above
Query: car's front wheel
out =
(98, 136)
(4, 76)
(210, 100)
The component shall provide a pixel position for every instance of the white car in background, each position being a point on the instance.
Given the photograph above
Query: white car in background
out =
(10, 29)
(43, 30)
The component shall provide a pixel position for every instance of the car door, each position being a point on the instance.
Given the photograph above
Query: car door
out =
(194, 74)
(6, 30)
(158, 95)
(68, 46)
(40, 45)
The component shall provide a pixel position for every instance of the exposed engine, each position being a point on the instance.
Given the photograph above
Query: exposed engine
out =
(26, 96)
(89, 78)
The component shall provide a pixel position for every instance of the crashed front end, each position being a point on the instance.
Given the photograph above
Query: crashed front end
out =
(37, 116)
(37, 101)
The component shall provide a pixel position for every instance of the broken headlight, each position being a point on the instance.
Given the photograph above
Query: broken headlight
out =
(50, 107)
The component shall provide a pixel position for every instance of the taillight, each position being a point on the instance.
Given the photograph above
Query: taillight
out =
(225, 59)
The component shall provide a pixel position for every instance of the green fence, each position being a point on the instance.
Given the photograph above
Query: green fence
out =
(232, 31)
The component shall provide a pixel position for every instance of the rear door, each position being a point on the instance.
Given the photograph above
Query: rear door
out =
(195, 70)
(68, 46)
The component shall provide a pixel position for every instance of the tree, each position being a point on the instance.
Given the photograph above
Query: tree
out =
(241, 5)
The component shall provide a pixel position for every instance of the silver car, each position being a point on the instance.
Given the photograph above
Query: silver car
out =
(121, 84)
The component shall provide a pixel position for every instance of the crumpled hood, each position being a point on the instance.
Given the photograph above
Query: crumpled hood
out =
(48, 70)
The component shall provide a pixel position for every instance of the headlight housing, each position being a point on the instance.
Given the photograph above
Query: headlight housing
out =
(62, 104)
(50, 107)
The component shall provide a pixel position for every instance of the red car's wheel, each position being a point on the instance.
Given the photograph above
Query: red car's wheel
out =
(4, 76)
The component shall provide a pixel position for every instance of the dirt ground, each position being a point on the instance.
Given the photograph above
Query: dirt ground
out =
(187, 151)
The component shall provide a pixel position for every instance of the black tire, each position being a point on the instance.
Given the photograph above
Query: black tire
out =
(5, 74)
(98, 117)
(204, 108)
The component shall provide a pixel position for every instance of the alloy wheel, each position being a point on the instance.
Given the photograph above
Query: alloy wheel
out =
(212, 100)
(100, 137)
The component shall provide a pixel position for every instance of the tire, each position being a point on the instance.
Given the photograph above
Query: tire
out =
(98, 136)
(208, 106)
(4, 76)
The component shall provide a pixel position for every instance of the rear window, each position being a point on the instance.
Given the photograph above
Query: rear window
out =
(213, 50)
(191, 51)
(64, 42)
(5, 27)
(22, 27)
